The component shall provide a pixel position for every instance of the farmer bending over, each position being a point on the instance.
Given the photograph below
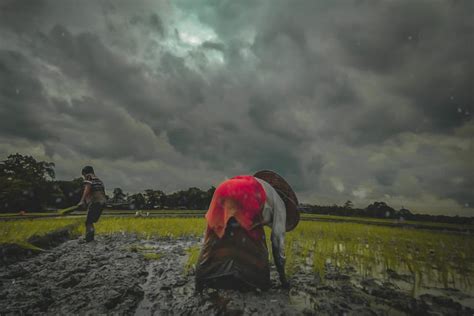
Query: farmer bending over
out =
(234, 253)
(93, 198)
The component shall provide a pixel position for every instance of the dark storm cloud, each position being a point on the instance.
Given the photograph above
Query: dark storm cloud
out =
(385, 177)
(20, 16)
(381, 37)
(356, 100)
(103, 131)
(156, 24)
(266, 115)
(425, 47)
(108, 73)
(22, 98)
(153, 23)
(111, 75)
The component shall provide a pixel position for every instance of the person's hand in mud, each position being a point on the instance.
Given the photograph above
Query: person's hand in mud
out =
(285, 284)
(279, 259)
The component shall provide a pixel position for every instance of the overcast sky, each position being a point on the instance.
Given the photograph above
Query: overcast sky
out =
(352, 99)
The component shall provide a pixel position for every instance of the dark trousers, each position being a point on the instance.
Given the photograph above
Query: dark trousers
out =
(93, 214)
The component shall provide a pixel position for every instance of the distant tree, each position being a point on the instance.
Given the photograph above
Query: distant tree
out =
(71, 192)
(154, 199)
(348, 205)
(380, 209)
(405, 213)
(118, 196)
(25, 184)
(191, 199)
(18, 166)
(137, 201)
(175, 200)
(209, 195)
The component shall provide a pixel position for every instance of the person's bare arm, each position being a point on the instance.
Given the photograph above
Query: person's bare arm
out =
(85, 194)
(278, 239)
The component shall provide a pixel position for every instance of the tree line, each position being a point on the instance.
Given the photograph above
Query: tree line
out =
(382, 210)
(30, 185)
(190, 199)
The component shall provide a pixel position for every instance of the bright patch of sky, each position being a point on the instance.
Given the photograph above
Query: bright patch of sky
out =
(58, 85)
(360, 192)
(337, 184)
(190, 35)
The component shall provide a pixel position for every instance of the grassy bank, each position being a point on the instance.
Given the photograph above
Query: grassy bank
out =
(19, 232)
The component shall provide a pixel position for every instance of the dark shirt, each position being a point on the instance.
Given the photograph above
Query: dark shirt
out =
(97, 193)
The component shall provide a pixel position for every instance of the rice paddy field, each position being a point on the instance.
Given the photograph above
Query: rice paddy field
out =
(427, 257)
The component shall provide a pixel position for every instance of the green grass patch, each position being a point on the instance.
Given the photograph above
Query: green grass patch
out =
(157, 212)
(19, 232)
(18, 215)
(152, 256)
(106, 212)
(152, 227)
(420, 224)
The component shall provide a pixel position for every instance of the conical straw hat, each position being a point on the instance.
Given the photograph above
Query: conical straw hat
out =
(286, 193)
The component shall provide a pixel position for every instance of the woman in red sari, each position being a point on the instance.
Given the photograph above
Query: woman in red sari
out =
(234, 253)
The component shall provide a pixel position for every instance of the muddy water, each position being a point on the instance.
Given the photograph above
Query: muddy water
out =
(113, 276)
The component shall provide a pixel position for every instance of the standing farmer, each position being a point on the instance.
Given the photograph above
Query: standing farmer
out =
(234, 253)
(93, 198)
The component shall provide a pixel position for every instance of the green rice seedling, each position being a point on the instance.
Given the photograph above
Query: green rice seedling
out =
(193, 256)
(292, 258)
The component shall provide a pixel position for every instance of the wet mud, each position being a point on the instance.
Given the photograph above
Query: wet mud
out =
(125, 275)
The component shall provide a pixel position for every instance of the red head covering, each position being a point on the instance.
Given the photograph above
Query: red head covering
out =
(242, 197)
